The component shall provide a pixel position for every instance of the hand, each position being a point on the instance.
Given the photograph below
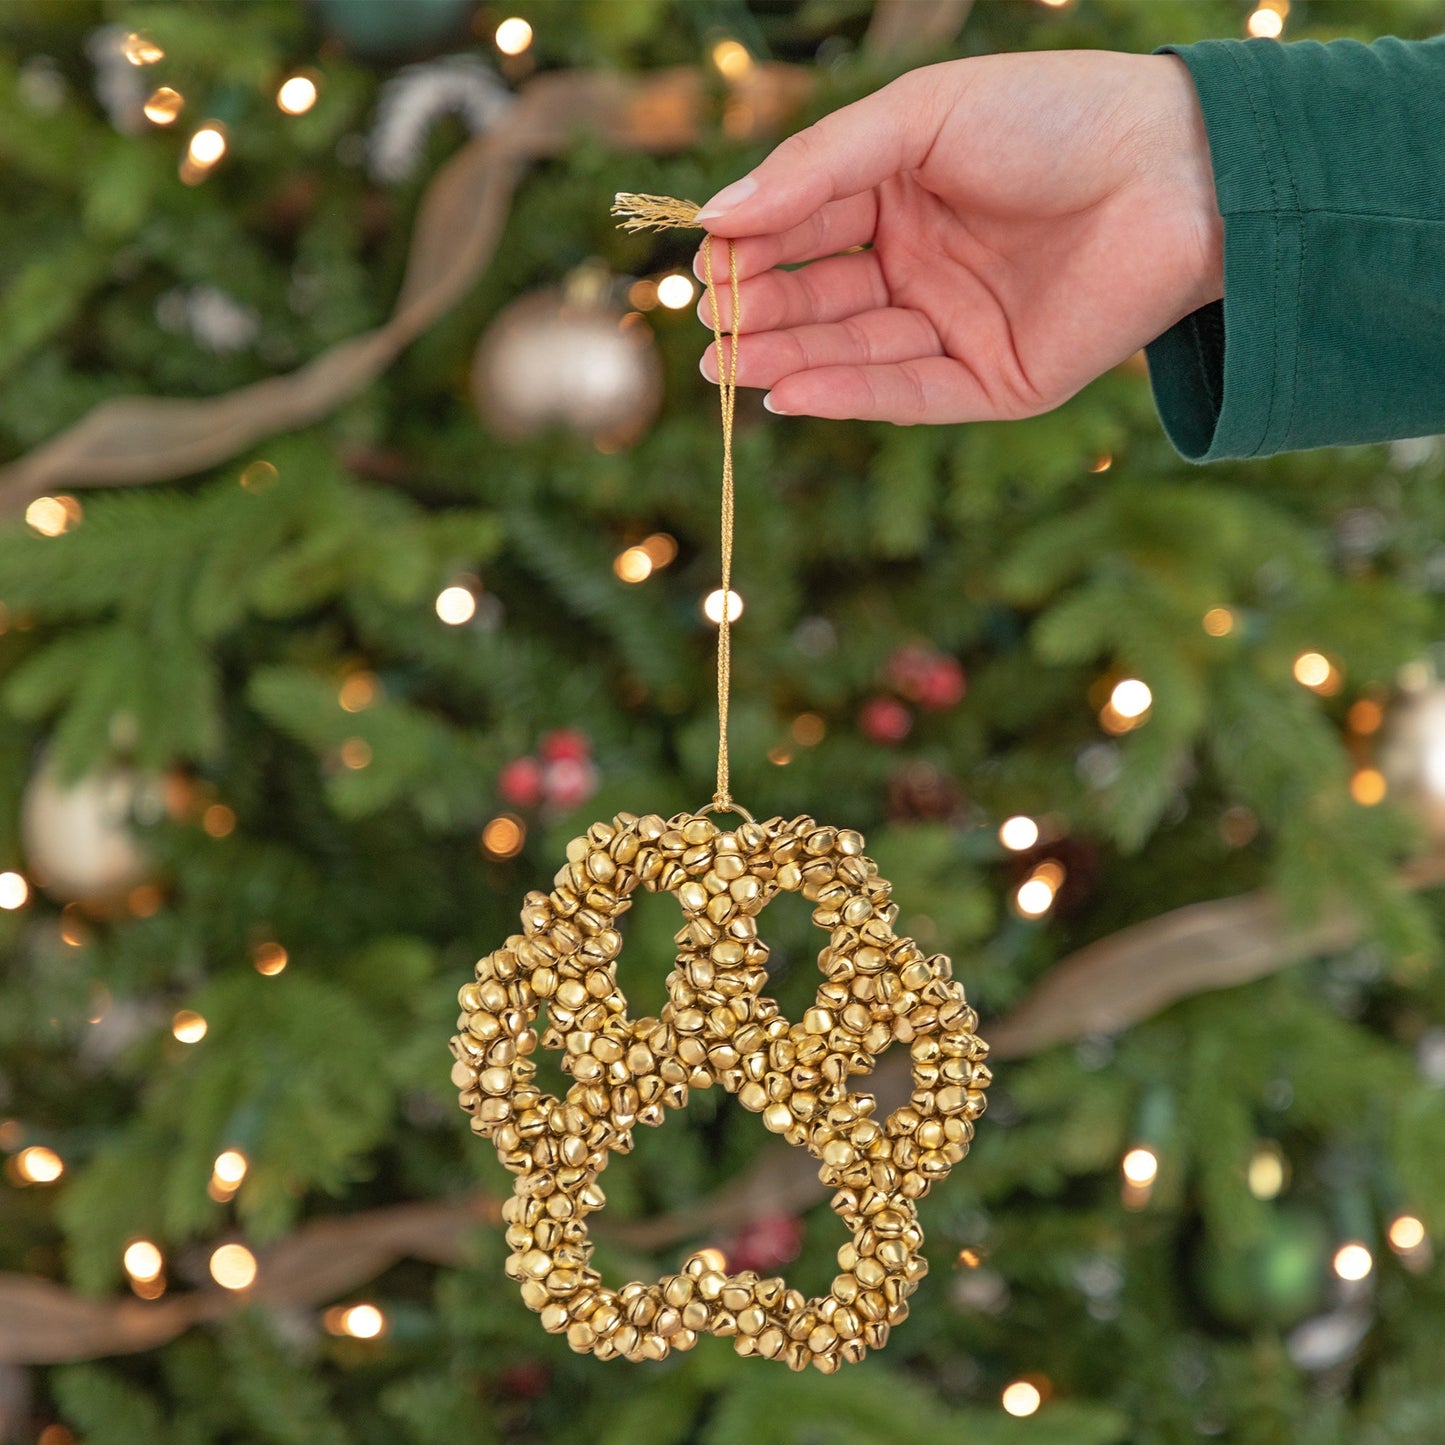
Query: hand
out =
(1032, 221)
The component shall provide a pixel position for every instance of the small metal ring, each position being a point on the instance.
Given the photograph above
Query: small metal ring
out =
(725, 805)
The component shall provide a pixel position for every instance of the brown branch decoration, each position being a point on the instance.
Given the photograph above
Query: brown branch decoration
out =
(132, 440)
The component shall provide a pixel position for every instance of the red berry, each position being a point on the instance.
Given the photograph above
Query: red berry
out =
(520, 783)
(568, 783)
(944, 684)
(566, 743)
(885, 720)
(766, 1242)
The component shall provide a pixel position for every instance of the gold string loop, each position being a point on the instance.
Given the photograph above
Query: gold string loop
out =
(662, 213)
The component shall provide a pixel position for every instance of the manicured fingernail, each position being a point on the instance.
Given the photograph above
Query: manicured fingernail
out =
(773, 407)
(727, 198)
(702, 367)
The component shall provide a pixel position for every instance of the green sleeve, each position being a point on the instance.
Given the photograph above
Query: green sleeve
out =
(1329, 163)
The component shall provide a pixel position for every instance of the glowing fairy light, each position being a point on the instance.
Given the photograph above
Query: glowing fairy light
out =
(163, 105)
(513, 36)
(1265, 23)
(140, 49)
(230, 1167)
(1312, 669)
(143, 1261)
(1407, 1233)
(676, 291)
(188, 1026)
(1368, 787)
(732, 59)
(1218, 621)
(1018, 834)
(269, 959)
(503, 836)
(39, 1165)
(1353, 1261)
(1266, 1174)
(1131, 698)
(297, 95)
(456, 605)
(14, 891)
(233, 1266)
(633, 565)
(207, 146)
(1140, 1166)
(1021, 1398)
(712, 607)
(1035, 896)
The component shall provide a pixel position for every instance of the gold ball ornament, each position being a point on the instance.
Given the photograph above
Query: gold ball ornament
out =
(1412, 757)
(717, 1027)
(78, 837)
(568, 358)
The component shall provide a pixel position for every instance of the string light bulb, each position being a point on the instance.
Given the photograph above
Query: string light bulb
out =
(513, 35)
(732, 59)
(503, 836)
(140, 49)
(1265, 23)
(363, 1322)
(143, 1261)
(188, 1026)
(633, 564)
(14, 891)
(52, 516)
(207, 146)
(1218, 621)
(230, 1167)
(1312, 669)
(1131, 698)
(712, 607)
(1353, 1261)
(163, 105)
(456, 605)
(269, 958)
(1140, 1166)
(1368, 787)
(1021, 1398)
(39, 1165)
(233, 1267)
(1407, 1233)
(676, 291)
(296, 95)
(1018, 834)
(1035, 896)
(1267, 1173)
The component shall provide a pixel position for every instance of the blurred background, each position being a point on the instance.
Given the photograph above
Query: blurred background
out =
(359, 549)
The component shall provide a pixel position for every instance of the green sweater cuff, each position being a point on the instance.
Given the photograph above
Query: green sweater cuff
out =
(1326, 168)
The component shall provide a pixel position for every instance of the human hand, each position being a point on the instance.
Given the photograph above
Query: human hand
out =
(1032, 220)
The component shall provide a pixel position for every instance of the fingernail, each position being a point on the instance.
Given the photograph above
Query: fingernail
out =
(727, 198)
(702, 367)
(773, 407)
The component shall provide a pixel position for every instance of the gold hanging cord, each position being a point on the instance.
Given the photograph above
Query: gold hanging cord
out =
(663, 213)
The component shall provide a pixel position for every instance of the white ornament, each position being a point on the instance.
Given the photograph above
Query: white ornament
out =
(1412, 757)
(78, 836)
(416, 97)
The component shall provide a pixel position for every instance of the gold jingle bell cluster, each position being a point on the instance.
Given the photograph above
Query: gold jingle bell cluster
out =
(717, 1027)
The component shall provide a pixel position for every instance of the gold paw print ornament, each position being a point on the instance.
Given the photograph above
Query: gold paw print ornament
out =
(718, 1027)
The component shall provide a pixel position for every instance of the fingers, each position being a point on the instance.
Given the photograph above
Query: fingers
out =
(844, 154)
(829, 290)
(875, 338)
(934, 389)
(835, 227)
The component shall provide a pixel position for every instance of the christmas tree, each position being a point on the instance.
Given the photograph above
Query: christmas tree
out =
(360, 550)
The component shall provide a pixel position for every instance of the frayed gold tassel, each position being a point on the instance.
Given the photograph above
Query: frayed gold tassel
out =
(648, 213)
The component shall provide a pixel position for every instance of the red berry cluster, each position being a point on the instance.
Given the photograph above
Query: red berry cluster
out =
(916, 673)
(560, 776)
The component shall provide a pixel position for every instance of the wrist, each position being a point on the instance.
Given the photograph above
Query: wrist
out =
(1185, 174)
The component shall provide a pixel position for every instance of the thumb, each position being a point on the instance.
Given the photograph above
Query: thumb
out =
(851, 150)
